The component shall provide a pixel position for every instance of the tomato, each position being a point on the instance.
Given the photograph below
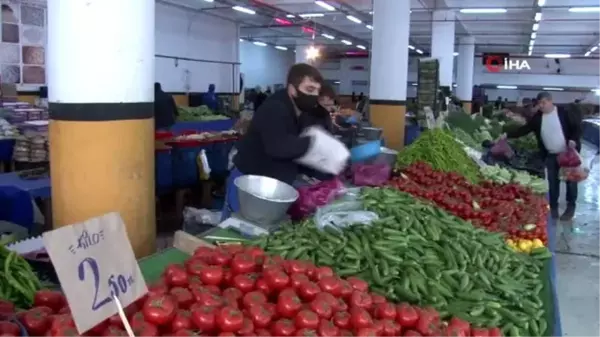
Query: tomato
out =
(256, 252)
(385, 311)
(453, 331)
(361, 300)
(212, 275)
(145, 329)
(98, 329)
(283, 327)
(52, 299)
(263, 332)
(297, 279)
(204, 318)
(129, 310)
(158, 288)
(378, 326)
(159, 310)
(365, 332)
(327, 297)
(342, 320)
(322, 308)
(9, 329)
(244, 282)
(58, 322)
(406, 315)
(64, 331)
(194, 267)
(306, 332)
(229, 319)
(247, 328)
(213, 289)
(227, 334)
(341, 305)
(176, 276)
(210, 299)
(114, 331)
(184, 332)
(262, 285)
(227, 277)
(233, 294)
(296, 266)
(480, 332)
(322, 272)
(308, 290)
(377, 299)
(183, 297)
(260, 316)
(495, 332)
(412, 333)
(306, 319)
(360, 318)
(243, 263)
(182, 320)
(358, 284)
(327, 328)
(330, 284)
(428, 323)
(36, 321)
(456, 324)
(288, 306)
(391, 328)
(135, 319)
(276, 279)
(345, 289)
(344, 332)
(220, 258)
(254, 298)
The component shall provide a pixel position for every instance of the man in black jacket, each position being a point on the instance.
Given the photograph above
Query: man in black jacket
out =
(555, 129)
(165, 109)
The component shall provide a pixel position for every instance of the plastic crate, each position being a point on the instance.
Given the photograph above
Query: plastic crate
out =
(163, 167)
(6, 149)
(411, 133)
(218, 155)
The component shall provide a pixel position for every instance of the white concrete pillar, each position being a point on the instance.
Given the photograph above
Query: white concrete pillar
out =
(100, 63)
(389, 69)
(464, 68)
(442, 44)
(389, 51)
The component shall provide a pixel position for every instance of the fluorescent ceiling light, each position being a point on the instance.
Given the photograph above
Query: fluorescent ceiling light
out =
(584, 9)
(243, 10)
(535, 27)
(260, 44)
(419, 51)
(596, 91)
(594, 49)
(241, 40)
(483, 10)
(371, 12)
(290, 16)
(327, 36)
(587, 54)
(553, 89)
(346, 42)
(506, 87)
(369, 27)
(415, 84)
(557, 56)
(530, 52)
(324, 5)
(209, 0)
(312, 15)
(353, 19)
(361, 47)
(455, 54)
(538, 17)
(336, 82)
(281, 47)
(533, 35)
(541, 3)
(531, 43)
(411, 47)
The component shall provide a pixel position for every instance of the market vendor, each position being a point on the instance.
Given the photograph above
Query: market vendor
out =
(165, 109)
(555, 130)
(274, 140)
(210, 98)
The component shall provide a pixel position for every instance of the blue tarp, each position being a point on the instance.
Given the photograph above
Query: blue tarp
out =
(220, 125)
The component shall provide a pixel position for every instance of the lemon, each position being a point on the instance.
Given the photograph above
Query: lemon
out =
(537, 243)
(510, 242)
(525, 245)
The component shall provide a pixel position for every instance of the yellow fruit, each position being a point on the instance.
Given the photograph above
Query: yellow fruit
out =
(510, 242)
(537, 243)
(525, 245)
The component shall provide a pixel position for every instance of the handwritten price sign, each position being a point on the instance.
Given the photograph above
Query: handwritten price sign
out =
(94, 262)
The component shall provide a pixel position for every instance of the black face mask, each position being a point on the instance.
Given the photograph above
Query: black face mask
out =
(304, 102)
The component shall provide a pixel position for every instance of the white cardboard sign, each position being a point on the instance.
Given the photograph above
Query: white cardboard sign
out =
(94, 261)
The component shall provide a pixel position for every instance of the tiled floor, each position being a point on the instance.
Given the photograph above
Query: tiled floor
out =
(577, 259)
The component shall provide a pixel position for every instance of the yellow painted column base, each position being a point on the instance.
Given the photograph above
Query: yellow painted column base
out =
(389, 116)
(467, 106)
(99, 167)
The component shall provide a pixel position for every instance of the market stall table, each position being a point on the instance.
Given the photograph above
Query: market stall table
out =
(203, 126)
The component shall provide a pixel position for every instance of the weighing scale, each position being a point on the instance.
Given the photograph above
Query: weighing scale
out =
(251, 228)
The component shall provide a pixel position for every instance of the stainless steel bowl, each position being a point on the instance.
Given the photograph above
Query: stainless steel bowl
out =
(371, 133)
(264, 200)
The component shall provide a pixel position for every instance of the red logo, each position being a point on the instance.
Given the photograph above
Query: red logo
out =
(494, 63)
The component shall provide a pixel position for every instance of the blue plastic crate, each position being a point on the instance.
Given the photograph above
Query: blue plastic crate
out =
(365, 151)
(411, 133)
(6, 149)
(218, 156)
(163, 168)
(185, 167)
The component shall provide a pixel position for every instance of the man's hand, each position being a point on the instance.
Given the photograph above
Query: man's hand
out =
(572, 144)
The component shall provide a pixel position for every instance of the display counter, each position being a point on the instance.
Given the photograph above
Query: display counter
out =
(203, 126)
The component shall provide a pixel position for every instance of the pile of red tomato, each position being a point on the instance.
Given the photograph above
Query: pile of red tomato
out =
(239, 291)
(508, 208)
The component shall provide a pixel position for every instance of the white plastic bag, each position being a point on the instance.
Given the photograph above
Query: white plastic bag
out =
(326, 153)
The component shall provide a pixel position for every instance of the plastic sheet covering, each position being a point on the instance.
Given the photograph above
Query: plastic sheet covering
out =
(343, 214)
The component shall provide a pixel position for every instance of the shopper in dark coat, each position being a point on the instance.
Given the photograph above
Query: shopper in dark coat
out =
(165, 109)
(555, 129)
